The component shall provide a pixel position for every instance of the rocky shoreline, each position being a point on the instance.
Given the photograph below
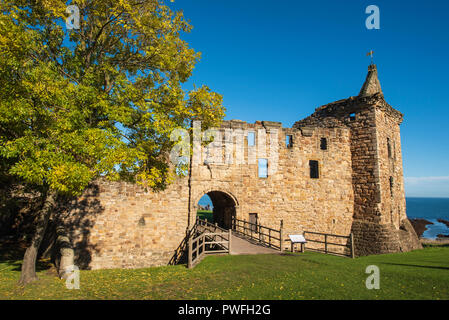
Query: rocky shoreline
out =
(437, 241)
(443, 236)
(444, 221)
(420, 226)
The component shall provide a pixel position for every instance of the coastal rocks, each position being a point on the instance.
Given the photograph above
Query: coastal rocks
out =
(444, 221)
(443, 236)
(408, 239)
(420, 225)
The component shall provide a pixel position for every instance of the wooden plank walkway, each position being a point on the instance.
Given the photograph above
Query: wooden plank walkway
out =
(240, 245)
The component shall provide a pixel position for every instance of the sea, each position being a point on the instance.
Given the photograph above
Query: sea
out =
(430, 209)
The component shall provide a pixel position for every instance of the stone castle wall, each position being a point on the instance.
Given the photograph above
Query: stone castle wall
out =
(360, 188)
(289, 194)
(120, 225)
(380, 223)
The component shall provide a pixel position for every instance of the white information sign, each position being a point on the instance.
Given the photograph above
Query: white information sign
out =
(297, 238)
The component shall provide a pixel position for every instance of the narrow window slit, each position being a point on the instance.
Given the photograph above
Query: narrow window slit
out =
(314, 169)
(251, 139)
(263, 168)
(289, 141)
(323, 144)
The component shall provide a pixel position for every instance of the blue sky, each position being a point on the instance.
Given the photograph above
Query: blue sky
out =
(279, 60)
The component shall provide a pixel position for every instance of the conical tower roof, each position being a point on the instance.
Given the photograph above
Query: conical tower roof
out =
(372, 84)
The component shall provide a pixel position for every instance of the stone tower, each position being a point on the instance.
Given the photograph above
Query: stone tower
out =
(380, 223)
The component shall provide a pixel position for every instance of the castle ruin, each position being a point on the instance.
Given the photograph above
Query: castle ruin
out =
(337, 171)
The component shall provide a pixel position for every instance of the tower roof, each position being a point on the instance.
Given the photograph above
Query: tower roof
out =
(372, 84)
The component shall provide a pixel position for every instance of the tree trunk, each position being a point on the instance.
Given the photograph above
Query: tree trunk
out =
(29, 260)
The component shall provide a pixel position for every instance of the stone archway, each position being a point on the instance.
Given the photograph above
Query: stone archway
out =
(224, 208)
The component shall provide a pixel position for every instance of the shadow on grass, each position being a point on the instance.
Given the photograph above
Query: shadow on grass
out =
(11, 250)
(292, 254)
(416, 266)
(435, 245)
(78, 216)
(11, 254)
(41, 265)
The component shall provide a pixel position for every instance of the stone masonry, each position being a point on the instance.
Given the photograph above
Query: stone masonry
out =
(359, 189)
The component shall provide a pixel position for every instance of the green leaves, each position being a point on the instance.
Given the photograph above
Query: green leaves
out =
(98, 101)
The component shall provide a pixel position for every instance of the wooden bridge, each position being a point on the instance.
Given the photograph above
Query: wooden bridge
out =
(206, 238)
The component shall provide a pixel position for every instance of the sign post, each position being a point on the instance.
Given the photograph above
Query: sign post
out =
(297, 238)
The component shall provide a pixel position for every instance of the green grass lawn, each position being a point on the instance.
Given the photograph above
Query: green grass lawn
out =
(206, 214)
(422, 274)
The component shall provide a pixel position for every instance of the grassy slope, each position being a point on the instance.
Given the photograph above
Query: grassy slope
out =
(206, 214)
(422, 274)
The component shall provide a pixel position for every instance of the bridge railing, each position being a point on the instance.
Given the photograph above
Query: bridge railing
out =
(267, 236)
(208, 239)
(316, 241)
(330, 243)
(204, 224)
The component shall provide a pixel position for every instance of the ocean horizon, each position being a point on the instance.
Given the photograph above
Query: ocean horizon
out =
(427, 208)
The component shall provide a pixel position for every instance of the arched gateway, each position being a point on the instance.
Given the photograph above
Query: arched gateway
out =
(224, 207)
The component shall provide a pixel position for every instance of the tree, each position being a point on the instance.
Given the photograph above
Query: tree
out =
(96, 101)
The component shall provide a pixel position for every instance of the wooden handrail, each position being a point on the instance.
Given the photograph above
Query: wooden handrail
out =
(253, 224)
(241, 227)
(349, 243)
(324, 234)
(256, 232)
(200, 245)
(202, 222)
